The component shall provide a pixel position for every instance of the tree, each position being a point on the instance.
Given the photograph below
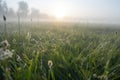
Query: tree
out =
(23, 9)
(3, 7)
(35, 13)
(11, 13)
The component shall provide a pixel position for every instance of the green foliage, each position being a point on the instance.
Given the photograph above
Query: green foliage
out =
(77, 52)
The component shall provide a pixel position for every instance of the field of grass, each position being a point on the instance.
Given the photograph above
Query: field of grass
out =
(76, 51)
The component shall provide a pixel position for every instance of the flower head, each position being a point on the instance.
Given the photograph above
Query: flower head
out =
(5, 44)
(50, 64)
(18, 58)
(5, 54)
(95, 76)
(28, 36)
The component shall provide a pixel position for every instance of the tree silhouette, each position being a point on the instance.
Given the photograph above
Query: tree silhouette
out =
(23, 9)
(3, 7)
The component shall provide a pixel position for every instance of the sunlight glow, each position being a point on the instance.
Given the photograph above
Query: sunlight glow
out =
(60, 13)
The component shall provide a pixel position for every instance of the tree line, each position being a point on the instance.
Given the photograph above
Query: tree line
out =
(23, 11)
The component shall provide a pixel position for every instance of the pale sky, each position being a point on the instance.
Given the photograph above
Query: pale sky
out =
(75, 8)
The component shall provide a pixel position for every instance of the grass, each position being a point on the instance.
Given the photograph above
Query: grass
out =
(78, 52)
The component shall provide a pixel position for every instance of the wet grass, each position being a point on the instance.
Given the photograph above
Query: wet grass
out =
(78, 52)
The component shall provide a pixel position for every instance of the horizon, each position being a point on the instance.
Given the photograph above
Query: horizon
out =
(73, 10)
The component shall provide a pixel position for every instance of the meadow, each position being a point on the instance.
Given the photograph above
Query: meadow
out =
(61, 51)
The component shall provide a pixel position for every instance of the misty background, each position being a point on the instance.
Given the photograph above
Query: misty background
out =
(23, 11)
(28, 13)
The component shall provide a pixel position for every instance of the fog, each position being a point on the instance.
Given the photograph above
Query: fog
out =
(28, 14)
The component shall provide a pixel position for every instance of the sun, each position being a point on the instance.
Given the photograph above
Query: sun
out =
(60, 13)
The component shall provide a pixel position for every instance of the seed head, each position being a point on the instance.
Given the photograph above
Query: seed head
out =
(4, 18)
(50, 64)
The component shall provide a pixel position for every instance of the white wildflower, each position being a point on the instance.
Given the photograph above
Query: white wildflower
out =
(95, 75)
(12, 51)
(28, 36)
(18, 58)
(50, 64)
(4, 44)
(25, 65)
(4, 54)
(33, 40)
